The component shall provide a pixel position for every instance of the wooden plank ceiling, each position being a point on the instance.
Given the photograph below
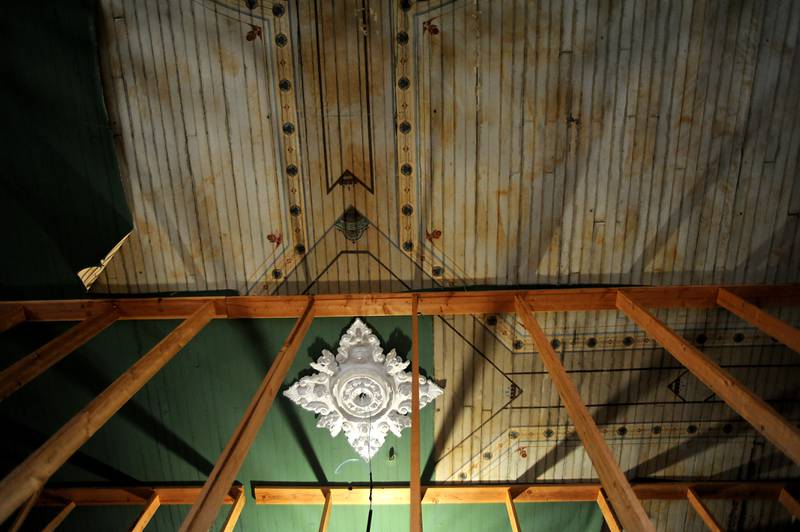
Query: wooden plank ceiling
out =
(311, 147)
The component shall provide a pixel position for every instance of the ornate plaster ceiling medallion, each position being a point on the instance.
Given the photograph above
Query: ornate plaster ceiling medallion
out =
(361, 391)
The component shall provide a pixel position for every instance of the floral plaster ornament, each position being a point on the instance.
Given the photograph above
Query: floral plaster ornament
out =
(361, 391)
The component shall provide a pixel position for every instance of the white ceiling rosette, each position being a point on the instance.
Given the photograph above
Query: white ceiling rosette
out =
(361, 391)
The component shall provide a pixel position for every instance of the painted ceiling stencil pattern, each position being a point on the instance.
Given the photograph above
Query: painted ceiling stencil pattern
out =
(307, 146)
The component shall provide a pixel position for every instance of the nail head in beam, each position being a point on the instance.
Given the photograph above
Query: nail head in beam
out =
(784, 435)
(59, 518)
(11, 317)
(326, 511)
(31, 475)
(513, 520)
(628, 507)
(789, 502)
(28, 368)
(239, 499)
(702, 511)
(205, 509)
(608, 513)
(147, 513)
(416, 488)
(764, 321)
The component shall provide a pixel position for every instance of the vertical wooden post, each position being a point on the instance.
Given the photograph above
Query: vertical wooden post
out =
(59, 518)
(416, 488)
(767, 323)
(513, 520)
(236, 509)
(703, 512)
(10, 317)
(790, 503)
(629, 509)
(608, 513)
(31, 475)
(26, 369)
(147, 514)
(784, 435)
(326, 511)
(205, 509)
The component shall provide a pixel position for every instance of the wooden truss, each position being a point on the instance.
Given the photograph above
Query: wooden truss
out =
(619, 501)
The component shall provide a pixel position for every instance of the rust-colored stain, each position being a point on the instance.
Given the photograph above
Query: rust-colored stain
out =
(276, 239)
(433, 235)
(255, 32)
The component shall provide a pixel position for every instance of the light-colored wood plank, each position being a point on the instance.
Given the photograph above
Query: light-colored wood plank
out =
(702, 511)
(608, 513)
(236, 509)
(28, 368)
(527, 493)
(59, 517)
(121, 496)
(416, 492)
(22, 515)
(11, 316)
(513, 520)
(31, 475)
(768, 324)
(389, 304)
(790, 503)
(326, 512)
(204, 510)
(147, 513)
(628, 507)
(752, 408)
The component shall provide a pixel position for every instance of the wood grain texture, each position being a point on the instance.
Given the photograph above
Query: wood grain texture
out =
(205, 508)
(608, 514)
(782, 433)
(28, 368)
(707, 517)
(31, 474)
(149, 510)
(776, 328)
(627, 506)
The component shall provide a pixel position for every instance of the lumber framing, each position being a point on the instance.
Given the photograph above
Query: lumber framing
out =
(415, 480)
(124, 495)
(11, 315)
(326, 512)
(767, 323)
(394, 304)
(59, 517)
(702, 511)
(608, 513)
(205, 509)
(239, 499)
(627, 506)
(22, 515)
(149, 510)
(789, 502)
(392, 494)
(783, 434)
(28, 368)
(31, 475)
(513, 519)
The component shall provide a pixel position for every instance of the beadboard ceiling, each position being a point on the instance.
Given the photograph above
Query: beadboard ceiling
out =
(354, 146)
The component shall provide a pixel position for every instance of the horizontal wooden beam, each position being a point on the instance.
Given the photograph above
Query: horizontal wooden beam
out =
(782, 433)
(28, 368)
(384, 494)
(123, 496)
(764, 321)
(35, 471)
(388, 304)
(11, 315)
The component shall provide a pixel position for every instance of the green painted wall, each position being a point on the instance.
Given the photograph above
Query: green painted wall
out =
(61, 198)
(174, 429)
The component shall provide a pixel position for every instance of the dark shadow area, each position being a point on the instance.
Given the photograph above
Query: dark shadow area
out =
(26, 440)
(83, 374)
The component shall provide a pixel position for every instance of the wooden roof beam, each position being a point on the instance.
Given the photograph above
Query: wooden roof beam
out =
(627, 506)
(702, 511)
(205, 509)
(764, 418)
(11, 315)
(32, 474)
(149, 510)
(765, 322)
